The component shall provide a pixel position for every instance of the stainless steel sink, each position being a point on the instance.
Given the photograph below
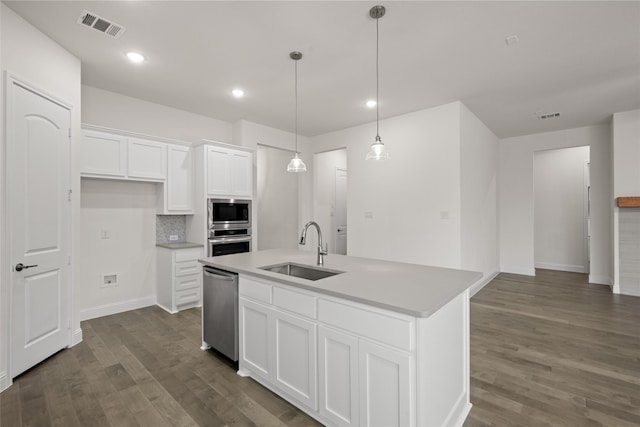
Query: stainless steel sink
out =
(301, 271)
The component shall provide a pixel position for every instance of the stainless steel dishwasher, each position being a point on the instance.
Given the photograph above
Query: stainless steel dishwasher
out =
(220, 311)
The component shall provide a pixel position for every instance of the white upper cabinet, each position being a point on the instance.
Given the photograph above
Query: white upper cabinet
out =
(103, 154)
(218, 179)
(241, 174)
(229, 172)
(147, 159)
(176, 196)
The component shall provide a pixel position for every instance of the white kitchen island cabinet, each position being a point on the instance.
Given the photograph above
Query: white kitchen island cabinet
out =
(351, 349)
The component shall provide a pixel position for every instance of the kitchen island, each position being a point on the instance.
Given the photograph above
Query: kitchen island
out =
(381, 343)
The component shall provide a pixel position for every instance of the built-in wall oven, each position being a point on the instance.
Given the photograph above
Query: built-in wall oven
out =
(229, 223)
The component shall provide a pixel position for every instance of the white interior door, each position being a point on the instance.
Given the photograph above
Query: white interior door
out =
(340, 217)
(38, 181)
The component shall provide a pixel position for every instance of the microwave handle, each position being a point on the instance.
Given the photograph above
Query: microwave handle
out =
(231, 239)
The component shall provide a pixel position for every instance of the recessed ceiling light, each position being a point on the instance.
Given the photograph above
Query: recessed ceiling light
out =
(371, 103)
(135, 57)
(238, 93)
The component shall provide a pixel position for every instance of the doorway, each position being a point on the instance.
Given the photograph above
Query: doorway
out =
(330, 198)
(561, 209)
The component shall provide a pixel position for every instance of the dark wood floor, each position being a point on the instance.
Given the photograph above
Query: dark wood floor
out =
(553, 350)
(549, 350)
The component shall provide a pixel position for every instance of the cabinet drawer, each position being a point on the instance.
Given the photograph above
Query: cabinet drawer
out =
(295, 302)
(191, 254)
(188, 282)
(255, 290)
(187, 296)
(378, 326)
(187, 267)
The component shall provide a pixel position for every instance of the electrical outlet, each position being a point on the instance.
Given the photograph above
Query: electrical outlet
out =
(105, 234)
(109, 279)
(368, 215)
(173, 237)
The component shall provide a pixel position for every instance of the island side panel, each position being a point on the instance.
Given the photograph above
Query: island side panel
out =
(443, 365)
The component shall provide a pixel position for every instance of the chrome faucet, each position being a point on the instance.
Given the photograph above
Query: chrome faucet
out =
(303, 240)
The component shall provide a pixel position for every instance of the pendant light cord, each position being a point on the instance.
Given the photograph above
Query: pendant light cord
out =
(377, 82)
(296, 95)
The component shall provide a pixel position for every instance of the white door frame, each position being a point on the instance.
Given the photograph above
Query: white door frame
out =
(6, 292)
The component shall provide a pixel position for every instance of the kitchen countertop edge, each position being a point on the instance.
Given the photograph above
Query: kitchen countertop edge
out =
(463, 279)
(179, 245)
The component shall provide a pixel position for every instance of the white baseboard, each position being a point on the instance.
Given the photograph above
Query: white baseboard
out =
(76, 338)
(561, 267)
(115, 308)
(600, 280)
(5, 381)
(482, 283)
(526, 271)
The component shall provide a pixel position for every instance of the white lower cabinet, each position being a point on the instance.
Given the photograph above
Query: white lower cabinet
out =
(338, 376)
(256, 337)
(384, 386)
(295, 357)
(179, 278)
(349, 364)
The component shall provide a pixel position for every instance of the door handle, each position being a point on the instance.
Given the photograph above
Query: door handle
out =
(20, 266)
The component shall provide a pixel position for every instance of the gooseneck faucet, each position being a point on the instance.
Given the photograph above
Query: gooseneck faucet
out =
(303, 240)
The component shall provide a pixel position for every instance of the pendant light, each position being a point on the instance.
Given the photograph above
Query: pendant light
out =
(377, 150)
(296, 164)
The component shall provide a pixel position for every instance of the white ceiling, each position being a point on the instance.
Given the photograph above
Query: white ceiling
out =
(581, 59)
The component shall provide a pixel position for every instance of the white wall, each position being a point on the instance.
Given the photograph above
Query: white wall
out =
(408, 194)
(127, 210)
(515, 200)
(324, 191)
(479, 196)
(626, 153)
(277, 200)
(116, 111)
(625, 130)
(559, 209)
(249, 134)
(24, 50)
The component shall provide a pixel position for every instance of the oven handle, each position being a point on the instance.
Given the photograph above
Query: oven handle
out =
(230, 239)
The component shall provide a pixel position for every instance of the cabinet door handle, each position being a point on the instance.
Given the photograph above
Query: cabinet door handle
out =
(20, 266)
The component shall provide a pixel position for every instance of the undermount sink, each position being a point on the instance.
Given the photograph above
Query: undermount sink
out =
(301, 271)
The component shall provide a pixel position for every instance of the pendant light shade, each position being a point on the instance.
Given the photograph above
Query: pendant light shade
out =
(296, 164)
(377, 150)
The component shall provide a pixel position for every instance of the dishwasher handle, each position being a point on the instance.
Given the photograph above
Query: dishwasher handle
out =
(213, 273)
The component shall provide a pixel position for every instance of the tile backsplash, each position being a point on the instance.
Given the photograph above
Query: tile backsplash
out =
(171, 225)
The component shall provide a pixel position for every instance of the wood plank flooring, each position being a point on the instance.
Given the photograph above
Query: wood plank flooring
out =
(545, 350)
(142, 368)
(554, 350)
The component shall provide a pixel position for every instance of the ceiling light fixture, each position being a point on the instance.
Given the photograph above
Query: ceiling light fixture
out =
(238, 93)
(296, 164)
(135, 57)
(371, 103)
(377, 150)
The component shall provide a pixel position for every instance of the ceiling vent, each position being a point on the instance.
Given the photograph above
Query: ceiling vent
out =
(111, 29)
(548, 116)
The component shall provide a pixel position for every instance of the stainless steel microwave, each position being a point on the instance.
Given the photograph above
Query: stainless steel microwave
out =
(229, 214)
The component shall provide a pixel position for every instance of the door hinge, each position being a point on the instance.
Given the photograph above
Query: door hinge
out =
(69, 324)
(70, 191)
(69, 133)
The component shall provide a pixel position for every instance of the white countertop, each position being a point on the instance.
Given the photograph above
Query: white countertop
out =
(412, 289)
